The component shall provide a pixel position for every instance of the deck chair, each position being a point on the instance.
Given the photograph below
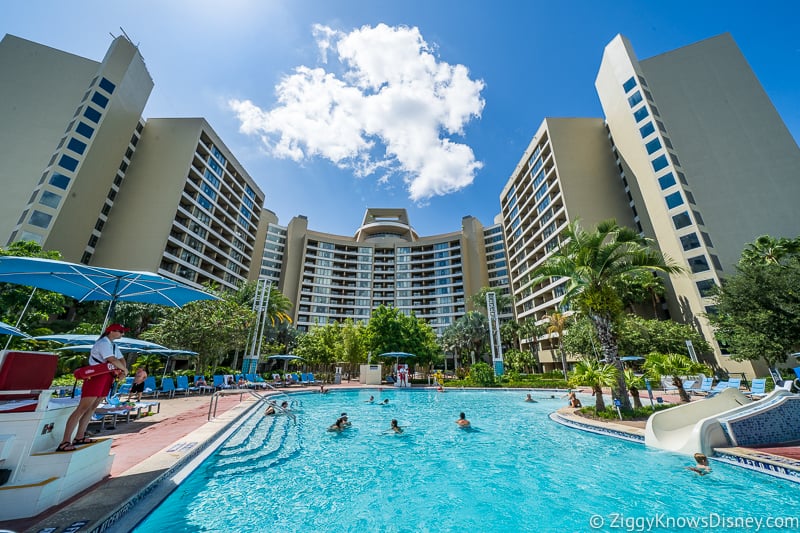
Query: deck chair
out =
(666, 384)
(183, 386)
(276, 380)
(688, 384)
(311, 379)
(202, 388)
(735, 383)
(227, 379)
(150, 389)
(721, 386)
(705, 387)
(167, 388)
(757, 389)
(304, 379)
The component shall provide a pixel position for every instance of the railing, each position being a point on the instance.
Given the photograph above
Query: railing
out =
(212, 407)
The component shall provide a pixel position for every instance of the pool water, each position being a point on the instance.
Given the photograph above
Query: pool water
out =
(516, 470)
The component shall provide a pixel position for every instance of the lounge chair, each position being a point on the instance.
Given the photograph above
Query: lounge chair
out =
(735, 383)
(688, 384)
(202, 389)
(311, 379)
(705, 387)
(757, 388)
(183, 385)
(276, 380)
(150, 389)
(666, 384)
(304, 379)
(721, 386)
(167, 387)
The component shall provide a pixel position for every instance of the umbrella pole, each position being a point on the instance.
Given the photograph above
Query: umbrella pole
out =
(19, 320)
(112, 305)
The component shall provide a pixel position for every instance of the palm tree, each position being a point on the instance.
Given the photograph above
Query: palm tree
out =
(475, 328)
(675, 365)
(557, 322)
(531, 331)
(767, 250)
(594, 263)
(635, 384)
(592, 373)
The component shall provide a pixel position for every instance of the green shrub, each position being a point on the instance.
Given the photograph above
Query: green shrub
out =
(610, 412)
(481, 375)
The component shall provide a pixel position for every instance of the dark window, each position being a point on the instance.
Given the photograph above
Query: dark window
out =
(99, 225)
(112, 194)
(629, 85)
(707, 239)
(667, 143)
(92, 114)
(666, 181)
(655, 111)
(648, 95)
(123, 166)
(40, 219)
(640, 114)
(674, 200)
(675, 159)
(93, 241)
(134, 140)
(635, 98)
(682, 177)
(706, 286)
(59, 180)
(107, 86)
(681, 220)
(85, 130)
(661, 126)
(106, 209)
(660, 163)
(100, 100)
(642, 81)
(689, 197)
(85, 258)
(50, 199)
(117, 180)
(76, 146)
(647, 129)
(698, 264)
(653, 146)
(712, 310)
(690, 242)
(715, 262)
(70, 163)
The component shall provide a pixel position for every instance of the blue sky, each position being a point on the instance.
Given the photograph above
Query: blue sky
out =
(336, 106)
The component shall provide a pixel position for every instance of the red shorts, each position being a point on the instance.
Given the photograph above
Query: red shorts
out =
(98, 386)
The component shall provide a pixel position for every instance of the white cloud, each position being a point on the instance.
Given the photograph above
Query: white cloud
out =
(394, 109)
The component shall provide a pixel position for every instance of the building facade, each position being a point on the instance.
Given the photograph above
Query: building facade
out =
(332, 277)
(707, 159)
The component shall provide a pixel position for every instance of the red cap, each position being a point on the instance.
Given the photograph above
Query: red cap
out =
(117, 327)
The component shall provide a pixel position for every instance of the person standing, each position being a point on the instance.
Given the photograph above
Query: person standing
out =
(138, 383)
(95, 388)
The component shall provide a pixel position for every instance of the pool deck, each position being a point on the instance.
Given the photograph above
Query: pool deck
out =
(149, 450)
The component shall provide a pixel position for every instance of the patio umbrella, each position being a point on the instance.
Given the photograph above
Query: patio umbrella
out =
(123, 342)
(8, 329)
(397, 355)
(285, 359)
(169, 353)
(89, 283)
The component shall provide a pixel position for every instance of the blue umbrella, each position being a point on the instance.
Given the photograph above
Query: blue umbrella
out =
(124, 342)
(285, 358)
(8, 329)
(89, 283)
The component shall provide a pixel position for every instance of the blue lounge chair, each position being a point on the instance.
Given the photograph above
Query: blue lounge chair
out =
(757, 388)
(688, 384)
(183, 386)
(150, 389)
(311, 379)
(705, 387)
(721, 386)
(167, 388)
(735, 383)
(304, 379)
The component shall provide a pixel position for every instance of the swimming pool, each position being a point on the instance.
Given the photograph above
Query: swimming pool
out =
(515, 471)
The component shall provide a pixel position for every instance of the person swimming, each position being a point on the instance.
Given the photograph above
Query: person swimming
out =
(339, 425)
(395, 427)
(371, 399)
(462, 421)
(529, 398)
(702, 467)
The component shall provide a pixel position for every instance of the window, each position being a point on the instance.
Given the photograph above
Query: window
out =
(100, 100)
(666, 181)
(204, 202)
(698, 264)
(635, 98)
(629, 85)
(647, 129)
(667, 143)
(707, 239)
(689, 197)
(660, 163)
(698, 218)
(70, 163)
(107, 86)
(641, 113)
(682, 177)
(674, 200)
(653, 146)
(715, 261)
(690, 242)
(50, 199)
(675, 160)
(92, 114)
(40, 219)
(682, 220)
(706, 286)
(76, 146)
(59, 180)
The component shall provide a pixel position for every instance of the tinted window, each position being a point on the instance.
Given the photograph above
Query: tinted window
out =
(640, 114)
(660, 163)
(100, 100)
(635, 98)
(674, 200)
(40, 219)
(107, 86)
(653, 146)
(85, 130)
(630, 84)
(666, 181)
(698, 264)
(92, 114)
(682, 220)
(647, 129)
(706, 286)
(76, 146)
(59, 180)
(70, 163)
(50, 199)
(690, 242)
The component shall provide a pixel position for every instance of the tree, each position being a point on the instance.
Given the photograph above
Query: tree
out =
(389, 330)
(475, 330)
(639, 335)
(594, 374)
(556, 324)
(531, 331)
(758, 308)
(479, 299)
(766, 250)
(658, 365)
(635, 384)
(595, 264)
